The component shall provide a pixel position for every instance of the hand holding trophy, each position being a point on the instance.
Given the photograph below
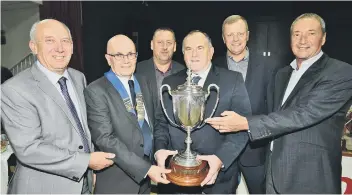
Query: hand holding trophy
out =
(188, 106)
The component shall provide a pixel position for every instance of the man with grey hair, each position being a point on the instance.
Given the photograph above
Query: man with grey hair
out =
(220, 151)
(257, 73)
(44, 114)
(310, 101)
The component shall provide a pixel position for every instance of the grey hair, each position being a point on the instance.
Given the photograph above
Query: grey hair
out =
(33, 30)
(310, 15)
(196, 31)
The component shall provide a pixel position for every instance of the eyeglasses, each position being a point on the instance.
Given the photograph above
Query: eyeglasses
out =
(119, 56)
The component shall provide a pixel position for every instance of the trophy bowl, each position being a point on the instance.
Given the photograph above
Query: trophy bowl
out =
(188, 102)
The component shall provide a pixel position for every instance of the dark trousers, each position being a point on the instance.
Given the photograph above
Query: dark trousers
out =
(254, 177)
(85, 187)
(174, 189)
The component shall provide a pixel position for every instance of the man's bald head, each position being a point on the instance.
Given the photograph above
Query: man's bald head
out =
(121, 55)
(119, 43)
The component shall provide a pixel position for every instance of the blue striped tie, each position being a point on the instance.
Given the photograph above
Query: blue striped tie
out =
(71, 106)
(196, 79)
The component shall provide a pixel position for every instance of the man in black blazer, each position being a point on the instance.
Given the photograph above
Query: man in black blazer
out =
(309, 105)
(220, 150)
(161, 64)
(257, 74)
(121, 107)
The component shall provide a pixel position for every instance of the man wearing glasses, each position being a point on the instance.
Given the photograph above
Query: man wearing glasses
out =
(120, 110)
(161, 64)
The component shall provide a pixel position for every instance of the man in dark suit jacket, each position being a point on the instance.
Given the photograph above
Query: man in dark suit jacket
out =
(161, 64)
(221, 151)
(121, 109)
(257, 74)
(310, 102)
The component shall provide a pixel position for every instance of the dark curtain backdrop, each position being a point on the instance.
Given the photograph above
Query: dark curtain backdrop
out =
(102, 20)
(70, 13)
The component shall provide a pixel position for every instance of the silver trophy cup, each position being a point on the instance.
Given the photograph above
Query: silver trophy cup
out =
(188, 107)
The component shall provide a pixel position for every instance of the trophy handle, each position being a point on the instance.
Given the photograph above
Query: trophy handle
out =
(216, 103)
(162, 103)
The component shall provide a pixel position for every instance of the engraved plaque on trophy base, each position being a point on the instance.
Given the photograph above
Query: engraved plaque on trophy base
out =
(187, 176)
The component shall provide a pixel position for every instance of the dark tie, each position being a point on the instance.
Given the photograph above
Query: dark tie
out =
(133, 95)
(196, 79)
(71, 106)
(147, 137)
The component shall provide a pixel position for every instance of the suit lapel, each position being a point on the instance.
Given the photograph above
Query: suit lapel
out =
(175, 68)
(151, 71)
(252, 64)
(307, 76)
(119, 102)
(78, 88)
(281, 82)
(223, 62)
(212, 78)
(48, 88)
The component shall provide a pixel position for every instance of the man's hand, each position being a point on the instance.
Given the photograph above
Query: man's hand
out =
(100, 160)
(229, 122)
(161, 156)
(156, 174)
(214, 167)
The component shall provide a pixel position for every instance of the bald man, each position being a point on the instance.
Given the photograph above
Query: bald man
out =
(44, 114)
(121, 107)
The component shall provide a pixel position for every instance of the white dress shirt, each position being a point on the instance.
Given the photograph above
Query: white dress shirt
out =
(124, 81)
(54, 78)
(296, 76)
(297, 73)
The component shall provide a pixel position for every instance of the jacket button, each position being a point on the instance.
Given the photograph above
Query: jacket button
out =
(141, 145)
(80, 147)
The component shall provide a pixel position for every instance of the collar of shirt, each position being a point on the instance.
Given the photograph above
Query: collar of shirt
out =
(203, 74)
(170, 67)
(306, 63)
(124, 81)
(246, 56)
(52, 76)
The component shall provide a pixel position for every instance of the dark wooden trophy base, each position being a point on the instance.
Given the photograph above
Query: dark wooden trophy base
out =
(187, 176)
